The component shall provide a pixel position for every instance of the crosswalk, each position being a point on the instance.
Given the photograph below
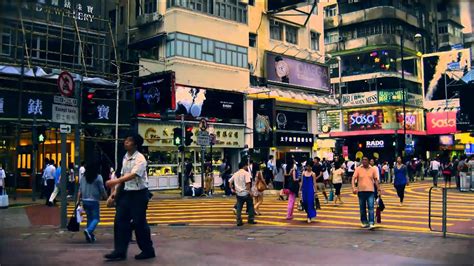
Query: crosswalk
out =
(412, 216)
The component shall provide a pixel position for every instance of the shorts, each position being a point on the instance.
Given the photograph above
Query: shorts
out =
(321, 187)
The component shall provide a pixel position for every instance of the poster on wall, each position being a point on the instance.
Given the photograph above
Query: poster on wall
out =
(285, 70)
(218, 106)
(365, 120)
(410, 119)
(444, 68)
(294, 121)
(263, 122)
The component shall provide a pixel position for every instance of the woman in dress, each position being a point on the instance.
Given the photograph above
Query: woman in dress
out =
(257, 189)
(400, 179)
(308, 189)
(337, 175)
(447, 172)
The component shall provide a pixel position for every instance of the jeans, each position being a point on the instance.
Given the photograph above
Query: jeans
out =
(93, 214)
(291, 205)
(240, 203)
(435, 174)
(227, 190)
(400, 191)
(132, 205)
(49, 189)
(366, 200)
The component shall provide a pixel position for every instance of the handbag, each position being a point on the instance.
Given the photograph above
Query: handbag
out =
(73, 224)
(331, 195)
(4, 200)
(261, 186)
(316, 202)
(326, 175)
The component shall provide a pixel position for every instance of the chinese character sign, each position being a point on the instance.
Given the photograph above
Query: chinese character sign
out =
(103, 112)
(35, 107)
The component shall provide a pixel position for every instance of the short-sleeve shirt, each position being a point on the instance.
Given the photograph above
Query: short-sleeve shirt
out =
(2, 177)
(337, 176)
(240, 179)
(135, 164)
(317, 169)
(365, 178)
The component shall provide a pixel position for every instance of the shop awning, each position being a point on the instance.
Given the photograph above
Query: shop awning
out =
(291, 96)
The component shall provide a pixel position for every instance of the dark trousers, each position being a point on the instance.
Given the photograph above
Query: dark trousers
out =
(49, 189)
(366, 201)
(277, 185)
(435, 174)
(240, 204)
(400, 191)
(132, 205)
(227, 190)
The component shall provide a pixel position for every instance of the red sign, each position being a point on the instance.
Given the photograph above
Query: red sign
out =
(441, 123)
(65, 84)
(345, 152)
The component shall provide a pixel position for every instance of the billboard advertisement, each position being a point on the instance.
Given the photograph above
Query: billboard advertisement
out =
(263, 122)
(440, 123)
(155, 93)
(296, 72)
(441, 72)
(294, 121)
(365, 120)
(219, 106)
(360, 98)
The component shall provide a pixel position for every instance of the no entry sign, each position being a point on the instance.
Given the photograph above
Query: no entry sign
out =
(66, 84)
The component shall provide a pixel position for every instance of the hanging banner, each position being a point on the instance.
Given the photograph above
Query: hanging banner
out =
(361, 98)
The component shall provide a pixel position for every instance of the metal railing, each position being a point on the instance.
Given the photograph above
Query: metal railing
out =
(444, 209)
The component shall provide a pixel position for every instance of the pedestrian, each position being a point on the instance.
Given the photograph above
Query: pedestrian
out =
(350, 168)
(337, 175)
(240, 184)
(227, 176)
(209, 181)
(411, 167)
(71, 180)
(318, 171)
(43, 178)
(258, 187)
(435, 166)
(91, 189)
(57, 185)
(455, 173)
(386, 172)
(401, 179)
(279, 174)
(447, 171)
(2, 179)
(308, 190)
(463, 172)
(419, 171)
(294, 188)
(268, 173)
(50, 172)
(363, 182)
(131, 203)
(188, 173)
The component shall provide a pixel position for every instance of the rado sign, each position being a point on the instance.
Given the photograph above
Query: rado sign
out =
(374, 144)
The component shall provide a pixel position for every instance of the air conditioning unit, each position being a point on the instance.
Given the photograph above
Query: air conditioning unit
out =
(141, 20)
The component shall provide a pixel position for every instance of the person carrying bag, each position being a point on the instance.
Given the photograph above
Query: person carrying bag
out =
(74, 225)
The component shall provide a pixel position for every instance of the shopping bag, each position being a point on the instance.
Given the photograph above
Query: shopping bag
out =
(317, 203)
(326, 175)
(378, 214)
(73, 224)
(331, 195)
(4, 200)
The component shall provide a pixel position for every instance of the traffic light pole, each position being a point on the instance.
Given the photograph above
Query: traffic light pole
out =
(33, 159)
(183, 167)
(77, 135)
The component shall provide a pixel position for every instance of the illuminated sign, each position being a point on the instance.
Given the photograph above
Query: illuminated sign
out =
(441, 123)
(365, 120)
(374, 144)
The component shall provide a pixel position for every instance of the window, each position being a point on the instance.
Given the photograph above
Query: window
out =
(314, 40)
(252, 40)
(6, 43)
(443, 29)
(179, 44)
(331, 37)
(150, 6)
(252, 2)
(291, 34)
(330, 11)
(276, 30)
(227, 9)
(121, 15)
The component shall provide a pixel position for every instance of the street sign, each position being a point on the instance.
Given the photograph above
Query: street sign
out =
(65, 129)
(65, 84)
(65, 114)
(65, 100)
(203, 138)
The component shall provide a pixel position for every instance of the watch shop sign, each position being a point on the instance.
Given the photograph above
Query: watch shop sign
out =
(441, 123)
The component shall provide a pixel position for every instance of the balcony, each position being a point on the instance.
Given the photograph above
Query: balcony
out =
(381, 12)
(147, 19)
(372, 40)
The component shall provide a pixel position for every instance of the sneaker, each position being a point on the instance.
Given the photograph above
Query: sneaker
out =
(252, 222)
(145, 256)
(93, 238)
(371, 226)
(114, 256)
(88, 236)
(365, 225)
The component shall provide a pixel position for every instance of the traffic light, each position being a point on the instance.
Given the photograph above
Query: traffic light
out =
(41, 136)
(89, 107)
(189, 135)
(177, 136)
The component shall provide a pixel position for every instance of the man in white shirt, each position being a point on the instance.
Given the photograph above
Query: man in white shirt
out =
(435, 166)
(240, 184)
(2, 179)
(49, 173)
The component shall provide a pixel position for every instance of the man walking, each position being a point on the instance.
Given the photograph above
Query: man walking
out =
(435, 167)
(57, 180)
(2, 179)
(366, 178)
(240, 184)
(318, 171)
(132, 203)
(49, 174)
(188, 173)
